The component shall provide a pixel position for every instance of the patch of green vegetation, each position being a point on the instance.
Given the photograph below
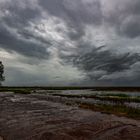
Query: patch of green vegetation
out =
(68, 95)
(119, 110)
(119, 99)
(115, 95)
(23, 91)
(11, 89)
(20, 91)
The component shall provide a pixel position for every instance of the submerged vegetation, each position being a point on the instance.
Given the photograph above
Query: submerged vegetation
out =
(107, 102)
(105, 97)
(22, 91)
(119, 110)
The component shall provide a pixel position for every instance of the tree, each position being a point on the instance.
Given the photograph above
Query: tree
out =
(1, 72)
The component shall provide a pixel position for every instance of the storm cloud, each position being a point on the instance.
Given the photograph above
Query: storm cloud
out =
(124, 16)
(69, 42)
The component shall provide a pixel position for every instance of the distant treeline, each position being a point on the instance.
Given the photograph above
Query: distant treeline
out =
(6, 88)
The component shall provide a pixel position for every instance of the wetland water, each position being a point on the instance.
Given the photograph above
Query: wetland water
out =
(89, 97)
(43, 116)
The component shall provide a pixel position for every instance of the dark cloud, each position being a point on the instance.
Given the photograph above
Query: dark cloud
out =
(16, 16)
(11, 43)
(19, 18)
(68, 32)
(29, 35)
(131, 28)
(121, 15)
(75, 13)
(124, 16)
(100, 62)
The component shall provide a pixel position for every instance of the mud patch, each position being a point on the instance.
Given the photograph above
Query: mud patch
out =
(32, 117)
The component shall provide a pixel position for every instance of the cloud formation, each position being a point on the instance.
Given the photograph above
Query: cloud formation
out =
(63, 39)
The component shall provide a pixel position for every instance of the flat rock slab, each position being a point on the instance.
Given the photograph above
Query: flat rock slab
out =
(27, 117)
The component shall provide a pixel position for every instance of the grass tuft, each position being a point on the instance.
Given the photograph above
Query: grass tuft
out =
(119, 110)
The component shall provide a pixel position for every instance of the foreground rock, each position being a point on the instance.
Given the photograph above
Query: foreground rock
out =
(27, 117)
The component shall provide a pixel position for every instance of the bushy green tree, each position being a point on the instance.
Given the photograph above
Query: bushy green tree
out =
(1, 72)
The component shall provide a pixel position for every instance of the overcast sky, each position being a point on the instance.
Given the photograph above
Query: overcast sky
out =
(70, 42)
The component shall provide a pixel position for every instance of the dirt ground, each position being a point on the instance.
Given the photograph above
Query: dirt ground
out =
(29, 117)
